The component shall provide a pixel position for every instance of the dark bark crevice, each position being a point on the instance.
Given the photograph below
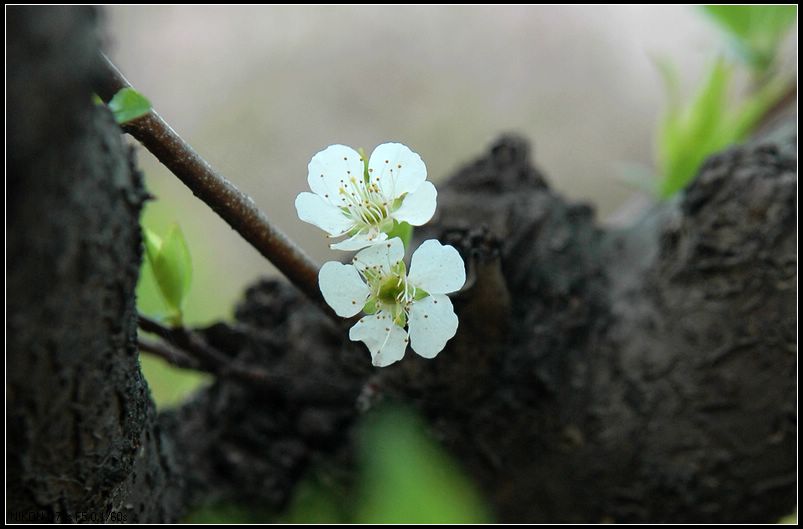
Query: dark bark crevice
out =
(638, 374)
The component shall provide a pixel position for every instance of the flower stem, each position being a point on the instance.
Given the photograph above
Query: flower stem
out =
(231, 204)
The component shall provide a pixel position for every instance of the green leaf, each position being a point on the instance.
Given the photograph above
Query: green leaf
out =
(407, 478)
(688, 135)
(735, 19)
(128, 104)
(153, 244)
(171, 265)
(403, 231)
(316, 501)
(756, 30)
(169, 385)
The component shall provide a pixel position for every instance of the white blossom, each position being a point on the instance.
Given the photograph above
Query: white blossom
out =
(378, 283)
(363, 200)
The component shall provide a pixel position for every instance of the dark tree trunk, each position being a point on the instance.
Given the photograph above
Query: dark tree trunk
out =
(81, 440)
(639, 374)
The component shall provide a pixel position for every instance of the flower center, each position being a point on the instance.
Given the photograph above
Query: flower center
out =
(390, 292)
(364, 202)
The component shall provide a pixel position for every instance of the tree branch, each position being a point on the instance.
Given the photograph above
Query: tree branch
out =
(168, 353)
(231, 204)
(189, 349)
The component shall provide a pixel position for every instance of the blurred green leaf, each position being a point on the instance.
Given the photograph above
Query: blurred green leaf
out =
(128, 104)
(407, 478)
(316, 502)
(153, 243)
(176, 257)
(226, 513)
(403, 231)
(169, 385)
(789, 518)
(709, 123)
(688, 135)
(171, 265)
(756, 30)
(202, 306)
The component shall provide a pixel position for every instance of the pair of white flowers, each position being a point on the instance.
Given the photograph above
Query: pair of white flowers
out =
(363, 201)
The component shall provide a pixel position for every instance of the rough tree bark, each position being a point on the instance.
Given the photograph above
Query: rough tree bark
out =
(80, 421)
(639, 374)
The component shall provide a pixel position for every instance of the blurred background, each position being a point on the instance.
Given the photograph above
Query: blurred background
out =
(259, 90)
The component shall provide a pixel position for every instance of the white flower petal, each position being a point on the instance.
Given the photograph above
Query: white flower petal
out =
(383, 255)
(437, 268)
(315, 210)
(359, 241)
(342, 288)
(396, 169)
(418, 206)
(329, 167)
(432, 323)
(386, 341)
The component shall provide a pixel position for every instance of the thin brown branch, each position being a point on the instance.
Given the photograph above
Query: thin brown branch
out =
(188, 341)
(168, 353)
(148, 324)
(185, 348)
(231, 204)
